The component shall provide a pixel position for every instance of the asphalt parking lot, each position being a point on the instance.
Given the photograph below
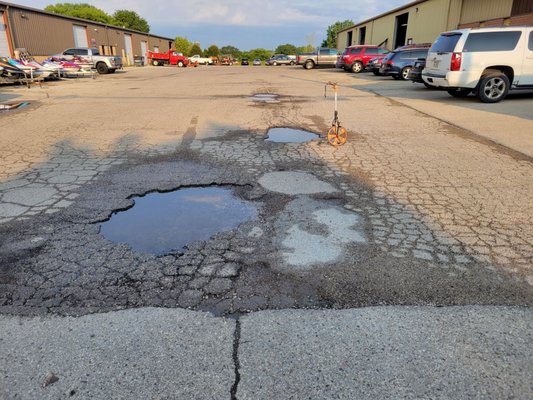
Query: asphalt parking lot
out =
(423, 215)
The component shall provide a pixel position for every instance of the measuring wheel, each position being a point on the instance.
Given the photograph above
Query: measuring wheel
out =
(337, 135)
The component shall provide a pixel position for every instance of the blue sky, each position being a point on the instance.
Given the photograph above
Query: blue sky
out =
(245, 24)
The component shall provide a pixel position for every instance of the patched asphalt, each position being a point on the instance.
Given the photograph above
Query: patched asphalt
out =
(354, 250)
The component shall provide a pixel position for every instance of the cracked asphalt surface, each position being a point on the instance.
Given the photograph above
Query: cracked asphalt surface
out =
(412, 210)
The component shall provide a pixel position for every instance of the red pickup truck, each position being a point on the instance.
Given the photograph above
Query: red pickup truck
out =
(172, 58)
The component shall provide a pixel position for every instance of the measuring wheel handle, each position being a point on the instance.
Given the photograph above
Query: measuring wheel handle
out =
(337, 135)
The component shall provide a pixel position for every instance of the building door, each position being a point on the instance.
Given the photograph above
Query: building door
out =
(80, 36)
(349, 39)
(362, 35)
(144, 51)
(400, 31)
(129, 48)
(4, 45)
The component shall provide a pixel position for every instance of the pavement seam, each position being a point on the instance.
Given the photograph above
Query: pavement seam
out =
(236, 362)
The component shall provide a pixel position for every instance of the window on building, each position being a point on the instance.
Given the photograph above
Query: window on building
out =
(522, 7)
(492, 41)
(530, 45)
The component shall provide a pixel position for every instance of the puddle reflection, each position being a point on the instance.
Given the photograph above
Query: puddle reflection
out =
(161, 223)
(288, 135)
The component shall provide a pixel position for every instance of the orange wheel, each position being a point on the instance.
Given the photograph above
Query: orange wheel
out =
(337, 136)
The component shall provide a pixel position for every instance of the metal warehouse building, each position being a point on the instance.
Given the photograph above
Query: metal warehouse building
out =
(44, 34)
(422, 21)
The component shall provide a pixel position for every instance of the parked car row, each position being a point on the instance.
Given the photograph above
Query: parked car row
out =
(486, 62)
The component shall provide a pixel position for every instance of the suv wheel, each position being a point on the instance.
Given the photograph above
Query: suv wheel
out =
(405, 73)
(357, 67)
(180, 64)
(493, 87)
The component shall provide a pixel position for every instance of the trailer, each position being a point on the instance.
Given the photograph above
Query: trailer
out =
(171, 58)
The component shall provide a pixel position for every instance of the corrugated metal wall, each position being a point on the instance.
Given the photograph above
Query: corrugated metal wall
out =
(428, 19)
(43, 34)
(40, 34)
(483, 10)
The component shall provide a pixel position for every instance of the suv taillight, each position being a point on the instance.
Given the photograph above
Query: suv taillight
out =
(455, 65)
(390, 62)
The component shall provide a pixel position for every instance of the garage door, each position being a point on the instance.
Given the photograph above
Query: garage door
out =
(129, 48)
(80, 36)
(4, 46)
(144, 49)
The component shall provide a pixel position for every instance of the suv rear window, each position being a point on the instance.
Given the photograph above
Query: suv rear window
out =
(492, 41)
(445, 43)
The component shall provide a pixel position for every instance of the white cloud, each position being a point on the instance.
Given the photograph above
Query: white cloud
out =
(242, 12)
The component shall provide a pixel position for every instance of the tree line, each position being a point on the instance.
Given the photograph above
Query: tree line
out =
(123, 18)
(188, 48)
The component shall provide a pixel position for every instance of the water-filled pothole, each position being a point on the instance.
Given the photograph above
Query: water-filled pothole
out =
(288, 135)
(162, 223)
(13, 106)
(265, 98)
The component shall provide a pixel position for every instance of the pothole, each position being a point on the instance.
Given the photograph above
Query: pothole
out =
(289, 135)
(163, 223)
(265, 98)
(13, 106)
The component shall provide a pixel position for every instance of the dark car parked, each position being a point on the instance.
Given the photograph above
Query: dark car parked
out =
(374, 65)
(399, 62)
(415, 74)
(244, 61)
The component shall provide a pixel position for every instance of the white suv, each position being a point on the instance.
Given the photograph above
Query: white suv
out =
(486, 61)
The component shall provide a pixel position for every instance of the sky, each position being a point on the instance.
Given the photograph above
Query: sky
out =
(245, 24)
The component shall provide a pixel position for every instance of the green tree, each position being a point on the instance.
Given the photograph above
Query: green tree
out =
(183, 45)
(305, 49)
(262, 54)
(212, 51)
(331, 33)
(230, 51)
(288, 49)
(131, 20)
(80, 10)
(196, 49)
